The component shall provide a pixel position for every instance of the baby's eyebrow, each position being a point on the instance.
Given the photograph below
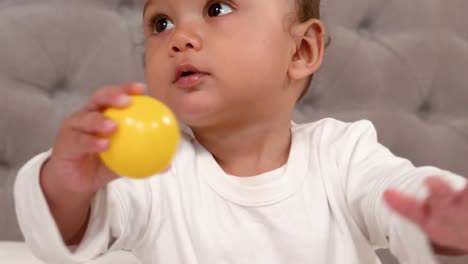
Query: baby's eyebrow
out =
(147, 4)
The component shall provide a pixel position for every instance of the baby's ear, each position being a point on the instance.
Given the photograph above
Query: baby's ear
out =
(308, 54)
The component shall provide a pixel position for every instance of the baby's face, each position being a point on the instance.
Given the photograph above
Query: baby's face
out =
(219, 61)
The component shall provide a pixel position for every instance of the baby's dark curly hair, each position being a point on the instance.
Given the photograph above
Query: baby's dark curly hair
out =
(308, 9)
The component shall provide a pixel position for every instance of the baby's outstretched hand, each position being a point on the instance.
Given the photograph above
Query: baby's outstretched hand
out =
(443, 216)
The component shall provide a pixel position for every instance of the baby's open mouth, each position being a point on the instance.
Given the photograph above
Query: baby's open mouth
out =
(188, 76)
(187, 71)
(185, 74)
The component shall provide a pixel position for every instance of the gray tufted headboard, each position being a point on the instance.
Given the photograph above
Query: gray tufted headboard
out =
(52, 55)
(402, 64)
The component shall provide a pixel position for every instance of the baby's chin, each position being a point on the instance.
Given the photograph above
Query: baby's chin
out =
(197, 113)
(197, 122)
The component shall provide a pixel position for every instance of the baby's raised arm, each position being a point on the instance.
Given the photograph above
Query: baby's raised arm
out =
(68, 197)
(74, 170)
(373, 169)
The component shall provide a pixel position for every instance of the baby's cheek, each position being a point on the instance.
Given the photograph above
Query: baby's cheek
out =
(157, 91)
(155, 78)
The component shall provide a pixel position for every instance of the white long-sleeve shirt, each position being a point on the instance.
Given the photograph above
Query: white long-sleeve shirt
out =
(324, 206)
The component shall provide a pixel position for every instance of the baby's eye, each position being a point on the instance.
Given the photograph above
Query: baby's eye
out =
(162, 24)
(219, 9)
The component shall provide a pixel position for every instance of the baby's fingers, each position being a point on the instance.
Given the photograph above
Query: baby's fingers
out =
(134, 88)
(439, 188)
(90, 144)
(75, 144)
(407, 206)
(114, 96)
(79, 136)
(92, 123)
(442, 196)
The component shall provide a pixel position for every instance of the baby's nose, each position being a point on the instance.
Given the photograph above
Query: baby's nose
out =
(185, 39)
(177, 48)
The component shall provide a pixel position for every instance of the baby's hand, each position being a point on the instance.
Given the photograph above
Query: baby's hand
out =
(443, 216)
(74, 164)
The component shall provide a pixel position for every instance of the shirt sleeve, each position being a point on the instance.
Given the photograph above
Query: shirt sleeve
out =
(119, 217)
(371, 170)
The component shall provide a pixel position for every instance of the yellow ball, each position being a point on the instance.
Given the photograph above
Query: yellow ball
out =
(146, 139)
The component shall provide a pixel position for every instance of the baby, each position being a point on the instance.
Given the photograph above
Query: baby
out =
(249, 186)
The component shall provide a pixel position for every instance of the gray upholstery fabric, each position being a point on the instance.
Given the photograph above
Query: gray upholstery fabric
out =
(402, 65)
(398, 63)
(53, 54)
